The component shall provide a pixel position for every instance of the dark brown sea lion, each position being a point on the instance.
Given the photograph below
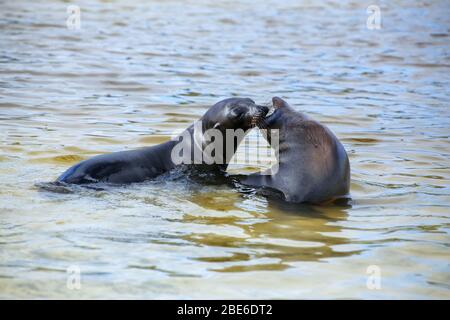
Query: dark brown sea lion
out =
(313, 165)
(147, 163)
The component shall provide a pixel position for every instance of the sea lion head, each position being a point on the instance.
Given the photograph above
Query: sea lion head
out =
(278, 114)
(234, 113)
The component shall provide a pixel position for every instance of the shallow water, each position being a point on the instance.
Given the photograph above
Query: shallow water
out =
(138, 71)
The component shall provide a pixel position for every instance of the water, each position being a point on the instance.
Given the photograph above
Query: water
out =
(137, 71)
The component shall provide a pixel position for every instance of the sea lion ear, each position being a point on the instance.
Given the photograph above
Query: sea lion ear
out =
(279, 103)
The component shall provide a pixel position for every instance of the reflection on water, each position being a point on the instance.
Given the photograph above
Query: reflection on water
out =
(138, 72)
(285, 233)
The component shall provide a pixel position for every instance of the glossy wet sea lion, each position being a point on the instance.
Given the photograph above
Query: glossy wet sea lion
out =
(313, 165)
(147, 163)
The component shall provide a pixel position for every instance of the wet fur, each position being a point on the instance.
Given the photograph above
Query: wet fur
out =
(313, 164)
(147, 163)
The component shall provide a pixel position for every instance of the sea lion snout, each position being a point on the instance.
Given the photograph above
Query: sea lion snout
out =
(258, 113)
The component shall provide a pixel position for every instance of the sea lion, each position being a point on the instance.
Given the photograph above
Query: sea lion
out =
(313, 165)
(147, 163)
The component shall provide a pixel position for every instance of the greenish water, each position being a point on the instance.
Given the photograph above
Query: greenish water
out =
(138, 71)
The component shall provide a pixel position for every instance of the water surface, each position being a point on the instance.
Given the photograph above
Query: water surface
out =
(138, 71)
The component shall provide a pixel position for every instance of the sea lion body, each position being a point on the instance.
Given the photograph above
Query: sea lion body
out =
(122, 167)
(147, 163)
(313, 165)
